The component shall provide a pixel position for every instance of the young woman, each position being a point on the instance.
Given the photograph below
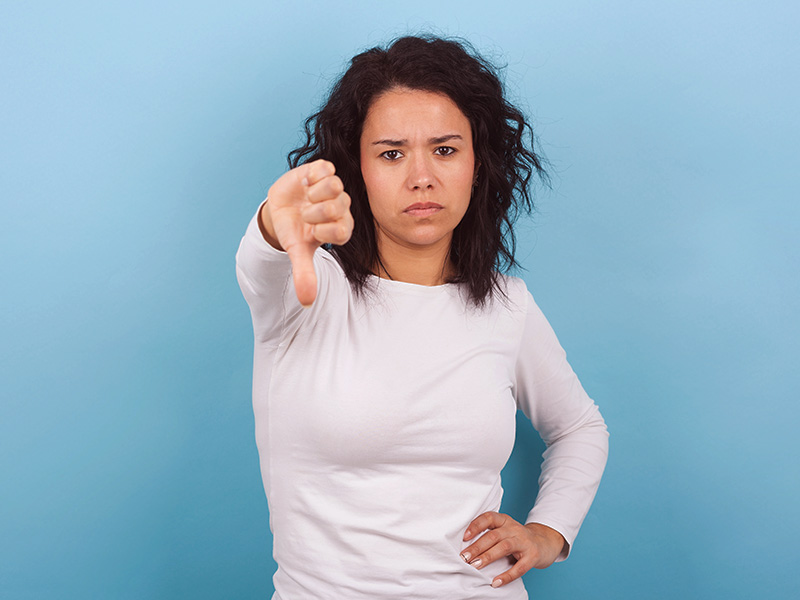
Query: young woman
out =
(391, 354)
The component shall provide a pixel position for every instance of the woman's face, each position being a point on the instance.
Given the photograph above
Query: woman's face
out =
(418, 166)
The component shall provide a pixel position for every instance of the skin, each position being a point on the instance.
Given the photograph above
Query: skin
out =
(533, 545)
(306, 207)
(416, 147)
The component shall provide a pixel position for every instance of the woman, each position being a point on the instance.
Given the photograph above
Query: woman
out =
(391, 355)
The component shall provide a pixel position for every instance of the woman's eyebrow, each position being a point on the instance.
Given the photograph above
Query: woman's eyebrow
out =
(394, 143)
(436, 140)
(445, 138)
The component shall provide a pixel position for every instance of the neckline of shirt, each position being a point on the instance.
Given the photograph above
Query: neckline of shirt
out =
(416, 287)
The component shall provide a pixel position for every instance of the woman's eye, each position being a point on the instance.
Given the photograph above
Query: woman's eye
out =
(444, 150)
(391, 154)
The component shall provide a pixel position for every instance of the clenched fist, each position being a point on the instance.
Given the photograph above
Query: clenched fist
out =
(307, 207)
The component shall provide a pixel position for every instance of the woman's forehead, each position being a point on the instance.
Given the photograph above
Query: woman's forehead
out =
(405, 114)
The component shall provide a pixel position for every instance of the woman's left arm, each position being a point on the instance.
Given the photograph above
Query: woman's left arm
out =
(569, 422)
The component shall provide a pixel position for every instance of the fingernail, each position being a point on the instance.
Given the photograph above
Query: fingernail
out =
(476, 563)
(497, 583)
(466, 556)
(304, 181)
(467, 534)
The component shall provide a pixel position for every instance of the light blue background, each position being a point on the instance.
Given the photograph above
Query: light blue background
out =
(137, 141)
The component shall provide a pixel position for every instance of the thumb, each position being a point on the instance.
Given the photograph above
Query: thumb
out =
(305, 278)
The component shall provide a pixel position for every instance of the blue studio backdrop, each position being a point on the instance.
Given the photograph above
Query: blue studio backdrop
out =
(139, 138)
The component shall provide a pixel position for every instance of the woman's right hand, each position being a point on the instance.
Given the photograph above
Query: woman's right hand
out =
(307, 207)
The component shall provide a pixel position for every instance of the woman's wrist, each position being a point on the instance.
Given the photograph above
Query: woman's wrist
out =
(265, 226)
(554, 539)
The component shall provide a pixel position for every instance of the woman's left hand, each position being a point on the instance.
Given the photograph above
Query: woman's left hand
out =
(532, 545)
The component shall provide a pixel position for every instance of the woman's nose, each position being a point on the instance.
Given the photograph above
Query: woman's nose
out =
(420, 175)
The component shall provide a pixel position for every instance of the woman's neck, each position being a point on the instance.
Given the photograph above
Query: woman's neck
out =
(428, 265)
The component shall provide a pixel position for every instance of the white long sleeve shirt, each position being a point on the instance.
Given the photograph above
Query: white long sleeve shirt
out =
(383, 423)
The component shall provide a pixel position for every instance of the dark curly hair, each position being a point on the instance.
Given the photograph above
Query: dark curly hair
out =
(483, 242)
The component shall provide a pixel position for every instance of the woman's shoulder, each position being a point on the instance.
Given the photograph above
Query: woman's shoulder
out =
(512, 292)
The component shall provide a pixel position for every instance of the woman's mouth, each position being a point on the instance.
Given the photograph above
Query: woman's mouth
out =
(423, 209)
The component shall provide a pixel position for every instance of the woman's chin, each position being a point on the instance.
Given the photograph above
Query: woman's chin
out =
(425, 235)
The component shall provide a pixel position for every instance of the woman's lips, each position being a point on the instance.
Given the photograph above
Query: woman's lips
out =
(423, 209)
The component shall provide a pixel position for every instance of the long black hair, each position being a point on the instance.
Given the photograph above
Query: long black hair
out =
(483, 243)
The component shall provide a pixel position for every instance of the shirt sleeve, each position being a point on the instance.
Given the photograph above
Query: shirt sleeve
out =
(570, 424)
(265, 278)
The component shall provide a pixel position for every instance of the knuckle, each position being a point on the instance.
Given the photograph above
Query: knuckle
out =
(505, 547)
(493, 537)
